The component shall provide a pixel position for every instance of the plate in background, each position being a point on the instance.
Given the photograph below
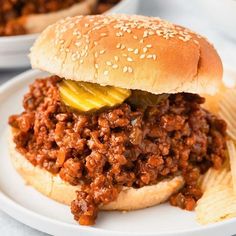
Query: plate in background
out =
(31, 208)
(14, 50)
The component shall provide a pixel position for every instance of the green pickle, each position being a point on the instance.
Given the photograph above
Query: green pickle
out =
(87, 97)
(144, 99)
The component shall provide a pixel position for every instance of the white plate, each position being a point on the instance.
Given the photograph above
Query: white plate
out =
(14, 50)
(33, 209)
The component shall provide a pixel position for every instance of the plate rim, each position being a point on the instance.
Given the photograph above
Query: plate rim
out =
(7, 202)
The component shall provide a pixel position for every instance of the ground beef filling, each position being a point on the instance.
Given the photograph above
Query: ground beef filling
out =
(12, 10)
(122, 146)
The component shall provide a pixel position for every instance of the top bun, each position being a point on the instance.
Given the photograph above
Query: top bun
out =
(134, 52)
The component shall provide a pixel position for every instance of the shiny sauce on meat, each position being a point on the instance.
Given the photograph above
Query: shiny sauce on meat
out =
(126, 145)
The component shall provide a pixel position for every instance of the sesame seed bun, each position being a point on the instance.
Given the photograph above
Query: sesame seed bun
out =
(55, 188)
(133, 52)
(36, 23)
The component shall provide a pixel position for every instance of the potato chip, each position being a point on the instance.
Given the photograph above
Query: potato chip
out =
(216, 177)
(212, 101)
(232, 158)
(217, 203)
(227, 111)
(231, 125)
(229, 95)
(219, 186)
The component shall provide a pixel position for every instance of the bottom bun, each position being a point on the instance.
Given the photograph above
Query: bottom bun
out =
(54, 187)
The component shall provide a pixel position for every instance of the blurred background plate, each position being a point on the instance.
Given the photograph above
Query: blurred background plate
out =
(14, 50)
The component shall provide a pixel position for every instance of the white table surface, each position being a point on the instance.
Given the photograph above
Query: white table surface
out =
(184, 12)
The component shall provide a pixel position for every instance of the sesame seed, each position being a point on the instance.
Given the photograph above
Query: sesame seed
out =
(86, 25)
(81, 61)
(159, 32)
(109, 63)
(183, 38)
(67, 50)
(136, 51)
(145, 49)
(166, 36)
(124, 55)
(129, 59)
(118, 45)
(135, 37)
(96, 66)
(103, 34)
(149, 46)
(102, 51)
(115, 66)
(96, 54)
(142, 56)
(145, 34)
(116, 58)
(119, 34)
(154, 57)
(123, 46)
(130, 70)
(106, 72)
(130, 49)
(141, 41)
(149, 56)
(125, 69)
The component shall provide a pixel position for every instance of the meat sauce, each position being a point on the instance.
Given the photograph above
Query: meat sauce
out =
(121, 146)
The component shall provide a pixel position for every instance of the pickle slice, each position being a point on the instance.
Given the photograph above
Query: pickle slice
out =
(145, 99)
(86, 97)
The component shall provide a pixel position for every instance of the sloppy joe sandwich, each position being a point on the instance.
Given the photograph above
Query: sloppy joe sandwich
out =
(120, 123)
